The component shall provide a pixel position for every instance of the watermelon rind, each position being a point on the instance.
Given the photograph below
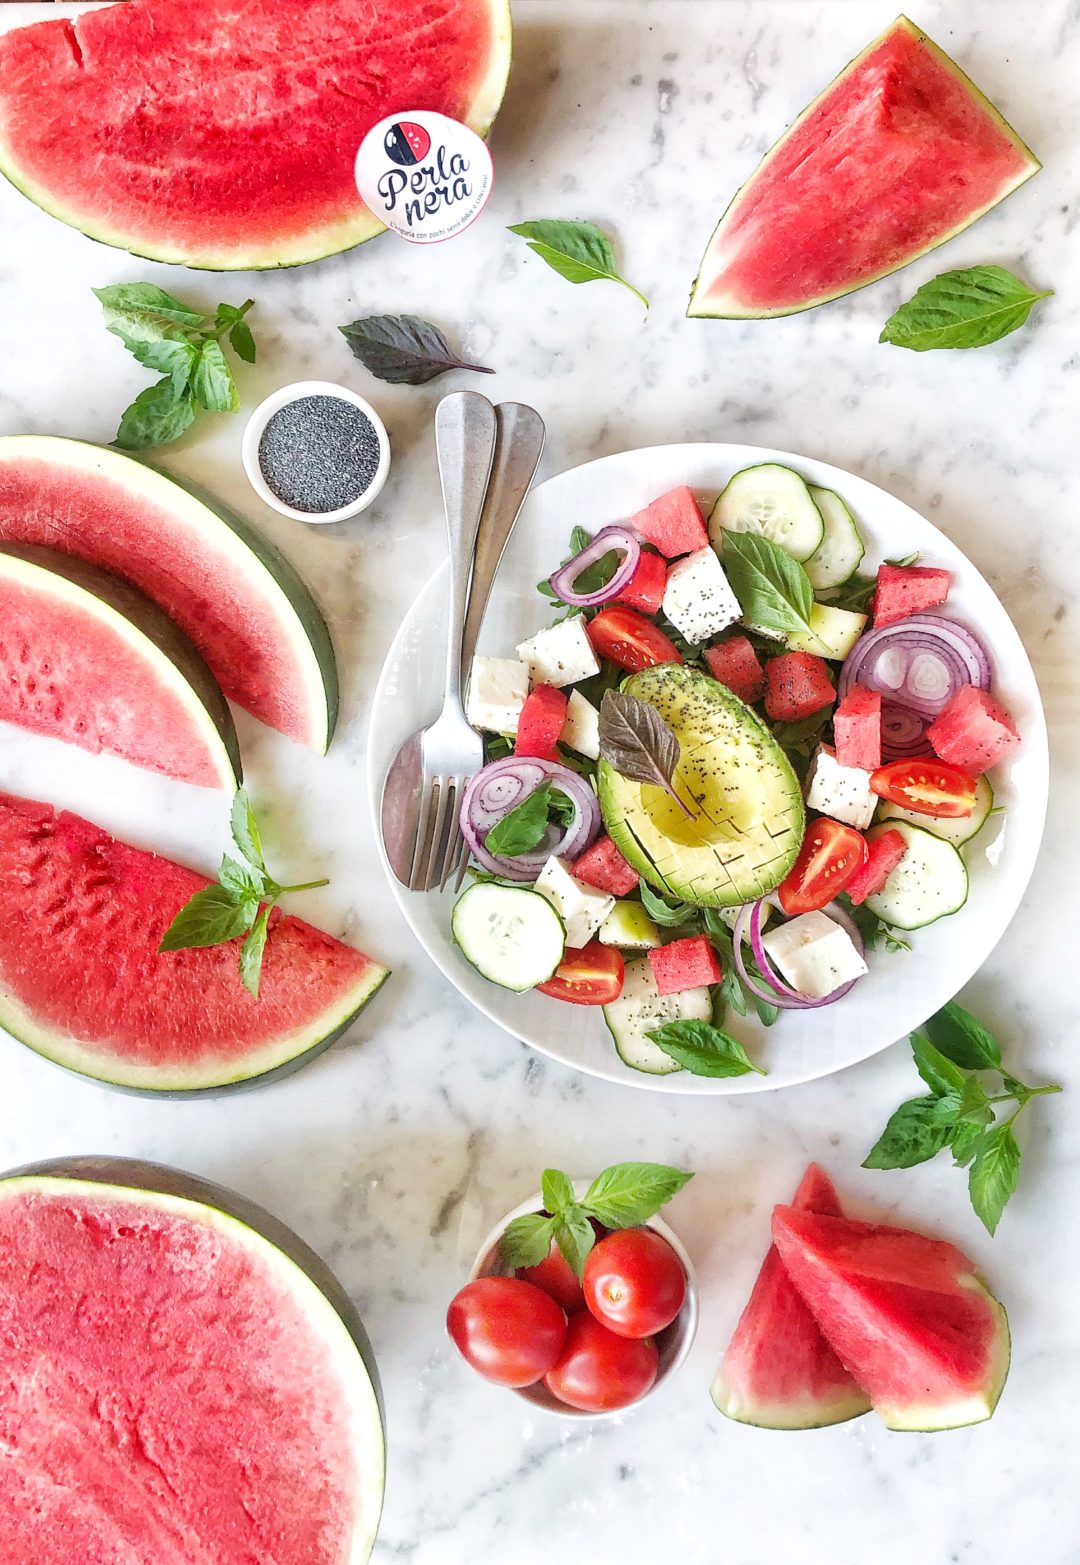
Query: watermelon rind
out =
(332, 1314)
(733, 310)
(153, 639)
(822, 1413)
(918, 1418)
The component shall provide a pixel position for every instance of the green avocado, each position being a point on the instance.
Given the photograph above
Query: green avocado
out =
(747, 818)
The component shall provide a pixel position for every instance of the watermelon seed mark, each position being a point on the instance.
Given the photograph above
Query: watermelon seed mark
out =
(73, 43)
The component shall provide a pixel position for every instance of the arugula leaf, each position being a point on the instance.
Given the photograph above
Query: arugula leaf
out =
(668, 915)
(703, 1049)
(962, 1039)
(580, 252)
(802, 736)
(857, 592)
(630, 1193)
(994, 1173)
(404, 350)
(773, 590)
(916, 1132)
(527, 1240)
(638, 743)
(964, 309)
(522, 828)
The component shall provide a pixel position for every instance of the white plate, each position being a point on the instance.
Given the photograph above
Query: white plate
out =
(901, 990)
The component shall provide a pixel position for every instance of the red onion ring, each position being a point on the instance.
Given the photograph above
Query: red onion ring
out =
(903, 733)
(918, 663)
(562, 581)
(500, 788)
(780, 993)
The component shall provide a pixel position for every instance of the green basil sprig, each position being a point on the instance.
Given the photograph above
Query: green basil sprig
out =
(623, 1196)
(964, 309)
(580, 252)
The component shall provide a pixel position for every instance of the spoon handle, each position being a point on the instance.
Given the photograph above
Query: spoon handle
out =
(465, 446)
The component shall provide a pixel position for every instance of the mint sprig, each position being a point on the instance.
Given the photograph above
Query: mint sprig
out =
(623, 1196)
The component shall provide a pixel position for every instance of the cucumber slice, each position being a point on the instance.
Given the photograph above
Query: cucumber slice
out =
(511, 934)
(773, 501)
(639, 1009)
(839, 554)
(954, 831)
(930, 881)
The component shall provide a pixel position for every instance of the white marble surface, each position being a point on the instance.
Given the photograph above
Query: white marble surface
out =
(390, 1153)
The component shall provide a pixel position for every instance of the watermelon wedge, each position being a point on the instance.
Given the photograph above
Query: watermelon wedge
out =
(108, 1005)
(896, 156)
(86, 658)
(223, 133)
(779, 1372)
(228, 589)
(908, 1315)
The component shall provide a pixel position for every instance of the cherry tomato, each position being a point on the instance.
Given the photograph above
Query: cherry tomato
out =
(556, 1276)
(599, 1371)
(591, 976)
(627, 638)
(634, 1282)
(509, 1331)
(829, 856)
(930, 786)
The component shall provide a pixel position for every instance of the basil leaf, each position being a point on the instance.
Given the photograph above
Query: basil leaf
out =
(212, 383)
(403, 349)
(243, 343)
(209, 918)
(157, 416)
(964, 309)
(638, 743)
(668, 915)
(994, 1174)
(935, 1068)
(521, 829)
(527, 1240)
(975, 1107)
(773, 590)
(963, 1039)
(251, 953)
(146, 313)
(557, 1190)
(575, 1237)
(963, 1141)
(241, 879)
(915, 1133)
(245, 830)
(580, 252)
(703, 1049)
(175, 359)
(630, 1193)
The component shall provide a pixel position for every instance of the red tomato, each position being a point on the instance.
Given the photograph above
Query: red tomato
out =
(634, 1282)
(591, 976)
(829, 856)
(509, 1331)
(556, 1276)
(599, 1371)
(627, 638)
(930, 786)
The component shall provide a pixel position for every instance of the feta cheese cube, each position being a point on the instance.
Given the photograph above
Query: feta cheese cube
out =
(582, 908)
(840, 791)
(698, 599)
(581, 731)
(560, 655)
(497, 691)
(814, 954)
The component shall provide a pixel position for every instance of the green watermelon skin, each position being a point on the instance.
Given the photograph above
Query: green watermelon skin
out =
(899, 154)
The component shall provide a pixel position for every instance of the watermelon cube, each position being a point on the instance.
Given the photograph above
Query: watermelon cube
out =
(797, 685)
(604, 867)
(883, 854)
(974, 731)
(857, 729)
(908, 589)
(645, 590)
(691, 963)
(673, 524)
(540, 723)
(735, 664)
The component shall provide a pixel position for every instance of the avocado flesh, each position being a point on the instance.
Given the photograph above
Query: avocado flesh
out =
(747, 818)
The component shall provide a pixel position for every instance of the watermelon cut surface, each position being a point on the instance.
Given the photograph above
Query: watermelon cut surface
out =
(185, 1381)
(107, 1004)
(907, 1315)
(235, 595)
(779, 1372)
(223, 133)
(896, 156)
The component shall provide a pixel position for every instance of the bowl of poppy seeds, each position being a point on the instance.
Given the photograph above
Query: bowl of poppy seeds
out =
(316, 451)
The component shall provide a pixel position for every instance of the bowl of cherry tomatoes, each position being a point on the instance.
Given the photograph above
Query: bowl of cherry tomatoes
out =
(585, 1346)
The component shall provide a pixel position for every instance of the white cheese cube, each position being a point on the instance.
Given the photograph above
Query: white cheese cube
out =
(581, 731)
(582, 908)
(815, 955)
(698, 599)
(497, 691)
(840, 791)
(560, 655)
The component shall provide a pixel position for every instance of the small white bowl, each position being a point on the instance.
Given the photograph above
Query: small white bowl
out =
(253, 433)
(675, 1340)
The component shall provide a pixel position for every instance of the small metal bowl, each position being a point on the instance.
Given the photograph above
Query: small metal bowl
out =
(252, 438)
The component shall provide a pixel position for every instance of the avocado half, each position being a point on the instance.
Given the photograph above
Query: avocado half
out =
(747, 819)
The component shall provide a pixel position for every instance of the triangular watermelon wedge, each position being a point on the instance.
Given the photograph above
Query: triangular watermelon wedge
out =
(779, 1372)
(907, 1314)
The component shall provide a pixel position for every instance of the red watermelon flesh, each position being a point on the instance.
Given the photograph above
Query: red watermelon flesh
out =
(223, 133)
(673, 523)
(906, 1314)
(974, 731)
(908, 589)
(897, 155)
(106, 1003)
(779, 1372)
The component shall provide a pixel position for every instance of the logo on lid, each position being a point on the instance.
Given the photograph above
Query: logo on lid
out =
(424, 175)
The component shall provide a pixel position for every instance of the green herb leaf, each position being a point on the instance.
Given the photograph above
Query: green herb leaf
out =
(963, 1039)
(212, 384)
(773, 590)
(230, 322)
(403, 349)
(209, 918)
(669, 915)
(580, 252)
(994, 1174)
(557, 1190)
(175, 359)
(630, 1193)
(251, 953)
(964, 309)
(914, 1134)
(142, 312)
(638, 743)
(974, 1107)
(245, 830)
(703, 1049)
(522, 828)
(241, 879)
(575, 1237)
(527, 1240)
(157, 416)
(802, 736)
(935, 1068)
(963, 1141)
(856, 594)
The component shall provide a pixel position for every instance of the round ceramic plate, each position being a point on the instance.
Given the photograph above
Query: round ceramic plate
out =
(901, 989)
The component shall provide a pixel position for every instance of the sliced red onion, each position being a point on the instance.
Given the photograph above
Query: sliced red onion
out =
(779, 993)
(919, 663)
(903, 733)
(501, 787)
(608, 538)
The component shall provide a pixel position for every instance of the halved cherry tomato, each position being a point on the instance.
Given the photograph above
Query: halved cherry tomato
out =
(508, 1330)
(634, 1282)
(628, 639)
(829, 856)
(927, 785)
(591, 976)
(599, 1371)
(556, 1276)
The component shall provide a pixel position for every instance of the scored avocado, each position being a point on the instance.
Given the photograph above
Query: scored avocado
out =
(746, 818)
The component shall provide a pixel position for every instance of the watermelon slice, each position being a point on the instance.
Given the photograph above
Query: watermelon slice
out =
(778, 1371)
(86, 658)
(221, 134)
(897, 155)
(908, 1316)
(231, 591)
(107, 1005)
(184, 1379)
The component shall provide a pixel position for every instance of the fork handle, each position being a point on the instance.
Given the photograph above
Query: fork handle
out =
(465, 446)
